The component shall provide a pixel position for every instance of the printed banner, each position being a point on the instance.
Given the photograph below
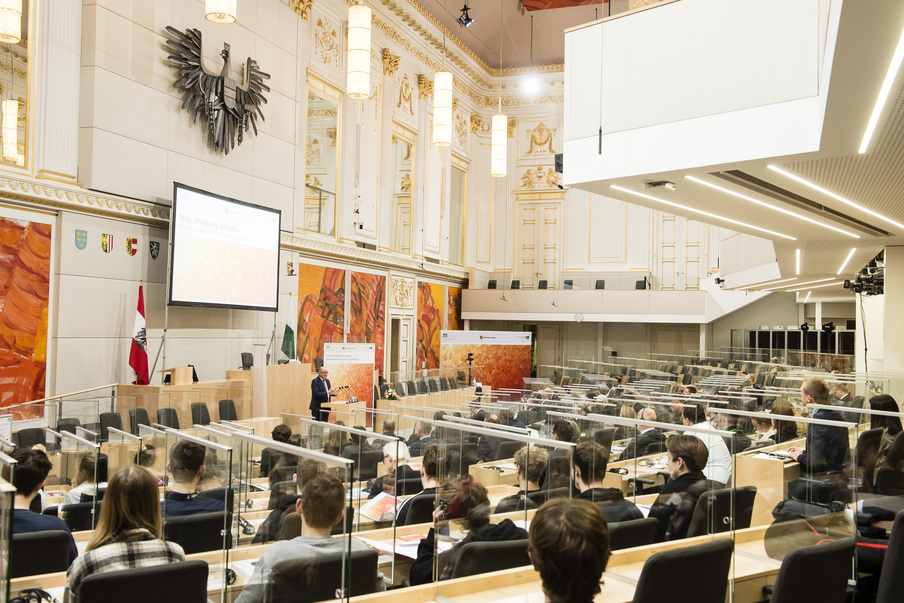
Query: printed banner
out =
(501, 358)
(351, 367)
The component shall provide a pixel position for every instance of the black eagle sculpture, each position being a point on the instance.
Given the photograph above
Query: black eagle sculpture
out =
(228, 106)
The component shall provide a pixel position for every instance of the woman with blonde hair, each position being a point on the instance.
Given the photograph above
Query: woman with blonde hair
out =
(128, 533)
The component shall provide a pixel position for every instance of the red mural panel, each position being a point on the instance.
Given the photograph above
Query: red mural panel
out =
(24, 293)
(321, 309)
(454, 323)
(429, 324)
(367, 323)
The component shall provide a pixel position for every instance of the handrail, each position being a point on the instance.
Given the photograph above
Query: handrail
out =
(84, 391)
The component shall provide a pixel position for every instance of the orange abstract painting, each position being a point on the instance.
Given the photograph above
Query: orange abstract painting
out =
(321, 309)
(454, 322)
(429, 324)
(24, 293)
(367, 323)
(499, 365)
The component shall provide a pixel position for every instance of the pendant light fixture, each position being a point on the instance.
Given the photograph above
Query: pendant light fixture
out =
(442, 103)
(533, 83)
(499, 142)
(10, 21)
(220, 11)
(357, 81)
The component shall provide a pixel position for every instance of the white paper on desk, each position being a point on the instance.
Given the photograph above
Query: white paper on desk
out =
(524, 524)
(406, 549)
(57, 593)
(508, 466)
(645, 509)
(245, 566)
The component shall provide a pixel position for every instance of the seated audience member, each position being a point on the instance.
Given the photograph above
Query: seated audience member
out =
(434, 471)
(674, 507)
(395, 461)
(336, 441)
(530, 461)
(784, 429)
(840, 395)
(562, 431)
(738, 442)
(590, 463)
(487, 445)
(569, 547)
(128, 534)
(623, 432)
(359, 444)
(305, 470)
(507, 416)
(558, 466)
(31, 471)
(720, 462)
(186, 463)
(280, 433)
(470, 503)
(284, 466)
(477, 413)
(389, 429)
(647, 437)
(827, 447)
(424, 439)
(890, 426)
(86, 482)
(321, 506)
(763, 429)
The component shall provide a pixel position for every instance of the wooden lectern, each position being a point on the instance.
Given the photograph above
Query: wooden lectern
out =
(179, 375)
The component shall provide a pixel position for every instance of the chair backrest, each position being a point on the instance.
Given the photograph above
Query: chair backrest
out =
(635, 532)
(669, 569)
(432, 384)
(604, 437)
(30, 436)
(68, 425)
(481, 557)
(247, 360)
(815, 573)
(79, 516)
(420, 509)
(715, 512)
(168, 417)
(507, 450)
(197, 533)
(516, 284)
(227, 410)
(641, 284)
(199, 413)
(318, 578)
(542, 284)
(35, 553)
(444, 384)
(107, 420)
(367, 464)
(422, 387)
(600, 284)
(318, 363)
(138, 416)
(400, 389)
(412, 388)
(184, 581)
(404, 487)
(383, 389)
(891, 581)
(491, 284)
(569, 284)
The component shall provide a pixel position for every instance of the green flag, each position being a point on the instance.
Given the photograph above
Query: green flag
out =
(288, 342)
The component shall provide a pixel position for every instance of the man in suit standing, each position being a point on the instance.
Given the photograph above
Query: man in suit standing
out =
(321, 391)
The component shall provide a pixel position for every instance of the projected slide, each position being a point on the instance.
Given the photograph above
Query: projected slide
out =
(225, 252)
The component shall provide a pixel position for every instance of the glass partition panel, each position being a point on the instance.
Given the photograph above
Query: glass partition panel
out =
(6, 446)
(240, 469)
(122, 450)
(152, 455)
(7, 499)
(8, 468)
(321, 165)
(78, 479)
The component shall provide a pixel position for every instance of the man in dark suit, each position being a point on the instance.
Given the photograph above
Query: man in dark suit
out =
(649, 435)
(321, 391)
(827, 447)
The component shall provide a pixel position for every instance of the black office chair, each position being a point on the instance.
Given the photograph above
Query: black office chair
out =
(485, 556)
(632, 533)
(168, 417)
(569, 284)
(319, 578)
(516, 284)
(815, 573)
(491, 284)
(507, 450)
(107, 420)
(199, 414)
(383, 389)
(198, 533)
(367, 464)
(138, 416)
(247, 360)
(604, 437)
(866, 455)
(79, 516)
(670, 568)
(412, 388)
(422, 387)
(717, 509)
(890, 479)
(600, 284)
(318, 363)
(68, 425)
(420, 509)
(400, 389)
(227, 410)
(433, 385)
(444, 384)
(406, 487)
(185, 581)
(641, 284)
(542, 284)
(36, 553)
(891, 582)
(30, 436)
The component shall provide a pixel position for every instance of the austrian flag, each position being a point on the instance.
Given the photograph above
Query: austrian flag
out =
(138, 356)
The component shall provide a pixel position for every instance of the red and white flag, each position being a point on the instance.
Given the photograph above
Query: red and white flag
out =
(138, 356)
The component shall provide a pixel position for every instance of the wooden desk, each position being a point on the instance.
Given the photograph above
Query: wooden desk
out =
(483, 473)
(770, 476)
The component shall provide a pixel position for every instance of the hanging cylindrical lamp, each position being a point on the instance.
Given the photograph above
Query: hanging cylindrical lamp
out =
(442, 109)
(499, 146)
(10, 21)
(10, 129)
(220, 11)
(357, 81)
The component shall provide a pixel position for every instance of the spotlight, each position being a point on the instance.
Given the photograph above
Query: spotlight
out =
(465, 19)
(805, 327)
(828, 327)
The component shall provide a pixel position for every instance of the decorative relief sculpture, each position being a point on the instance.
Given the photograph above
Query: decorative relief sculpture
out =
(461, 129)
(312, 151)
(405, 185)
(390, 62)
(303, 8)
(326, 42)
(541, 139)
(424, 87)
(331, 134)
(476, 121)
(401, 293)
(539, 178)
(405, 100)
(228, 107)
(511, 126)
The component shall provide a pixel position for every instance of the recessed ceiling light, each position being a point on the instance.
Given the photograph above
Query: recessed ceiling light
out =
(818, 286)
(816, 187)
(846, 260)
(890, 76)
(785, 280)
(797, 263)
(802, 285)
(701, 212)
(772, 207)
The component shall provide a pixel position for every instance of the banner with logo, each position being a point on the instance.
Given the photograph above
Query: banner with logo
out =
(503, 356)
(351, 367)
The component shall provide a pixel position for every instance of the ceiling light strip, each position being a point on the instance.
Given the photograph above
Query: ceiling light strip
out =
(807, 298)
(818, 188)
(846, 260)
(818, 286)
(797, 263)
(801, 285)
(890, 76)
(701, 212)
(772, 207)
(785, 280)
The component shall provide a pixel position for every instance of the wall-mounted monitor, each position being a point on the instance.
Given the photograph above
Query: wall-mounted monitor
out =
(224, 253)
